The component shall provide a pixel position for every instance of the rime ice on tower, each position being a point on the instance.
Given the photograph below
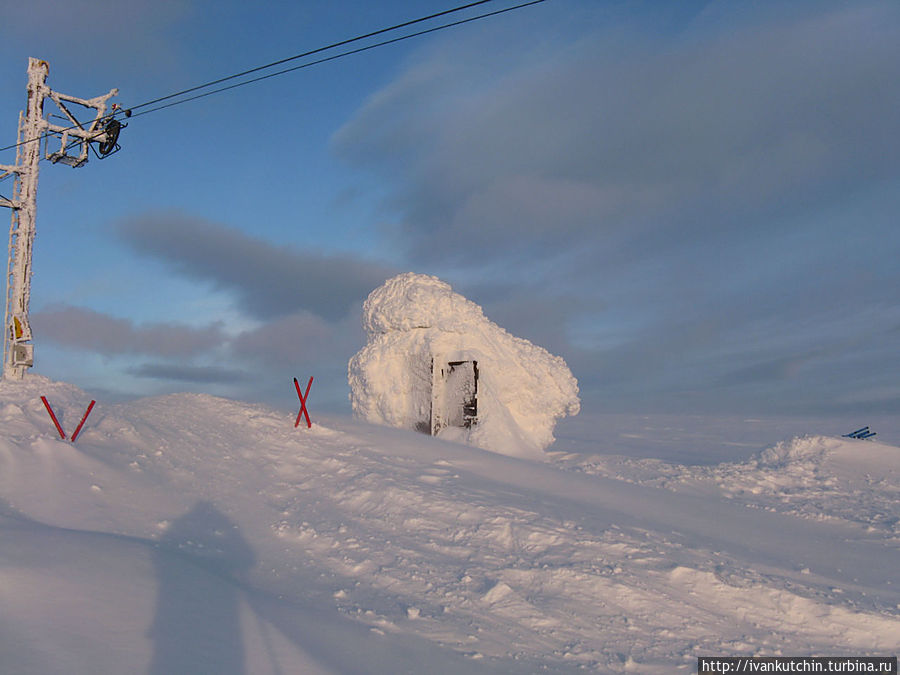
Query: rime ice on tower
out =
(436, 364)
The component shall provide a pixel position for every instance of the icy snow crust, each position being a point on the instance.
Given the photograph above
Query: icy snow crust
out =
(522, 389)
(191, 534)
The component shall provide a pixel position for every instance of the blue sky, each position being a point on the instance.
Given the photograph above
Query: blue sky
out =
(695, 203)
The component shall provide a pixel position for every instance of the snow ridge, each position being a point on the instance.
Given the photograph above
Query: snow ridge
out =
(353, 548)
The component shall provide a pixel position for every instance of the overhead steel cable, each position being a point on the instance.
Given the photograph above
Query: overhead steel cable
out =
(272, 65)
(312, 52)
(335, 56)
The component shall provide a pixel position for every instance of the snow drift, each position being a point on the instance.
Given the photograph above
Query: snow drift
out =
(416, 326)
(192, 534)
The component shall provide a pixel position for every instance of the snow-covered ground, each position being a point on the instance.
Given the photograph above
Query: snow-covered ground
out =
(192, 534)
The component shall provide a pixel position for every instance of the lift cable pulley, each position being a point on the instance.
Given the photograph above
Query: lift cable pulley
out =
(111, 130)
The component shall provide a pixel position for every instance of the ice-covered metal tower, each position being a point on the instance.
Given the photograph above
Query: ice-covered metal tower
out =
(34, 133)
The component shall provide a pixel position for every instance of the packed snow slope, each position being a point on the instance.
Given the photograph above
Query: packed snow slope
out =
(192, 534)
(416, 324)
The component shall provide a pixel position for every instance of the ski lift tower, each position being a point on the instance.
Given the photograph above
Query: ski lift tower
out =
(35, 131)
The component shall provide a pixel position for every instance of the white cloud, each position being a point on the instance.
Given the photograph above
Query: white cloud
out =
(86, 329)
(267, 280)
(660, 133)
(88, 33)
(687, 182)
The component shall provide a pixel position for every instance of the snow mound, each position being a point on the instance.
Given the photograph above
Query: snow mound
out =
(417, 323)
(814, 477)
(852, 463)
(798, 450)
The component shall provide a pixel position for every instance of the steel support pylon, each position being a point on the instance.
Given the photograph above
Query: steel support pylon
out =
(34, 130)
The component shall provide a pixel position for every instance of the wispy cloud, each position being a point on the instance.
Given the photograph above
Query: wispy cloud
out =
(609, 144)
(267, 280)
(299, 338)
(714, 197)
(131, 32)
(186, 373)
(258, 362)
(86, 329)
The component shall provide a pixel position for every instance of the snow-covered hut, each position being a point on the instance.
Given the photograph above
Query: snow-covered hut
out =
(434, 363)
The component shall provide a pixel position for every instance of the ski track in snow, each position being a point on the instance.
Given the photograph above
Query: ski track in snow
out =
(353, 548)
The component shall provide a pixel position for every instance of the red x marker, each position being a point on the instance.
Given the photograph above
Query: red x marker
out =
(303, 399)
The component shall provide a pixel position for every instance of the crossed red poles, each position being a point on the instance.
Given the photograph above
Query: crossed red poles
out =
(303, 399)
(303, 396)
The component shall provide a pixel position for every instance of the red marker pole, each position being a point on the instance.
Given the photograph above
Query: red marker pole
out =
(53, 417)
(81, 423)
(303, 398)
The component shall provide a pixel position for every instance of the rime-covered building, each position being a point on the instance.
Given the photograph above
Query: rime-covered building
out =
(434, 363)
